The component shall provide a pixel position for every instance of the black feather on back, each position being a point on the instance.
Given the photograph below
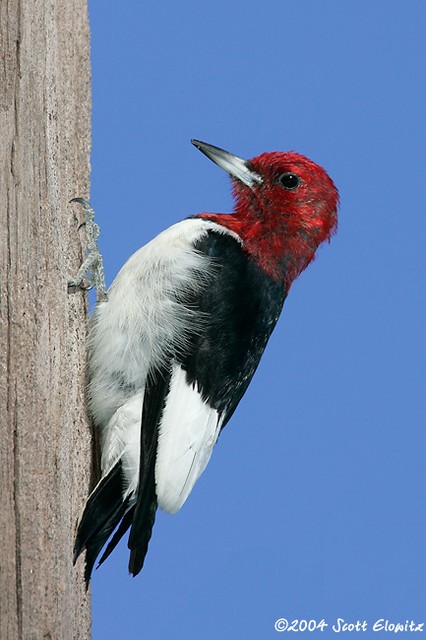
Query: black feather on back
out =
(242, 305)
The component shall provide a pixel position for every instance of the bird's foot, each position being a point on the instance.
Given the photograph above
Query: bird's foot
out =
(93, 262)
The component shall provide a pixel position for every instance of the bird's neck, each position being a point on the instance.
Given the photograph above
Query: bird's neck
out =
(282, 253)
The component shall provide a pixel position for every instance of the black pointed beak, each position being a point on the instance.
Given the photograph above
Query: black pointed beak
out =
(235, 166)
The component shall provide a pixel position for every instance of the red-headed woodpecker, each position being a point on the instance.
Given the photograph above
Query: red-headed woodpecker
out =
(174, 344)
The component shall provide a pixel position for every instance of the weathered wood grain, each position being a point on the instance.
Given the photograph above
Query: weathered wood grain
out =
(45, 440)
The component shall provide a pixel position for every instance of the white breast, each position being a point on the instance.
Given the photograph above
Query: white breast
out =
(142, 318)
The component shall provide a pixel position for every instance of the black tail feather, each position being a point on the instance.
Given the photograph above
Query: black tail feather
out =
(100, 508)
(122, 529)
(96, 543)
(104, 510)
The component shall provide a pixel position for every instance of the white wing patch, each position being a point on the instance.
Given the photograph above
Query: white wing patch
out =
(187, 434)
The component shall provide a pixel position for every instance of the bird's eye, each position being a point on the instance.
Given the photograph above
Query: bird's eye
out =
(289, 180)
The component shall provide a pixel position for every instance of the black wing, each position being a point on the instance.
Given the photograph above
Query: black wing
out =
(242, 305)
(146, 505)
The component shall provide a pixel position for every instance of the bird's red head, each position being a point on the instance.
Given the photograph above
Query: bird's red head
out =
(285, 207)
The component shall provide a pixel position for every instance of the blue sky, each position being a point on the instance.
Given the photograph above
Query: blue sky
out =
(314, 503)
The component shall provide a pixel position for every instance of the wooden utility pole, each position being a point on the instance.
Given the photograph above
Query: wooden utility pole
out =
(45, 441)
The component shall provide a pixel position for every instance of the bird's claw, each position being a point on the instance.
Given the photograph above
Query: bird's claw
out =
(73, 285)
(93, 261)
